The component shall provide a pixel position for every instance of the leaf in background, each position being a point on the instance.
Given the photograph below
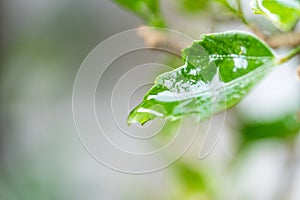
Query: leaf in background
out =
(148, 10)
(219, 71)
(284, 14)
(192, 182)
(194, 5)
(231, 6)
(251, 132)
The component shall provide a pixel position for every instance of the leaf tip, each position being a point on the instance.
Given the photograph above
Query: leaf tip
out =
(137, 118)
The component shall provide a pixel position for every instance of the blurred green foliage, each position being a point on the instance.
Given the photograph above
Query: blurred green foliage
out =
(193, 182)
(193, 5)
(284, 14)
(284, 128)
(38, 64)
(148, 10)
(27, 184)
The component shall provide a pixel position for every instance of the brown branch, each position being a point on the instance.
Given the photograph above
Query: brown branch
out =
(290, 39)
(160, 40)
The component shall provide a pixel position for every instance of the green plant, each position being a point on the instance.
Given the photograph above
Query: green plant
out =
(217, 72)
(221, 68)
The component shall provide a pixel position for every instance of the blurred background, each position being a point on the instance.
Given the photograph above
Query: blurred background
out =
(42, 45)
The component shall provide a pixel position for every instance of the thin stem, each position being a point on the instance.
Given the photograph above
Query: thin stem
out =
(240, 12)
(290, 55)
(230, 8)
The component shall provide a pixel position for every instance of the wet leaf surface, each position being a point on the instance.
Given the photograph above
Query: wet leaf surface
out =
(219, 70)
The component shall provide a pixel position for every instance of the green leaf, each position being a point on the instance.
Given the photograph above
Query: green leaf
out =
(283, 128)
(148, 10)
(219, 71)
(231, 6)
(193, 180)
(284, 14)
(194, 5)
